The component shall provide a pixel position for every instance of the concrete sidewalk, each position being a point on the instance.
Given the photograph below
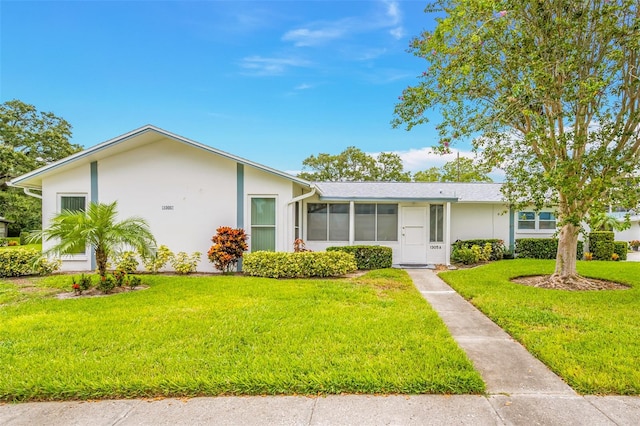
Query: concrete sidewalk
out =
(520, 391)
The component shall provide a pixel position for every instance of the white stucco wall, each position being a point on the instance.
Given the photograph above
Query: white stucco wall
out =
(633, 233)
(471, 221)
(183, 192)
(76, 181)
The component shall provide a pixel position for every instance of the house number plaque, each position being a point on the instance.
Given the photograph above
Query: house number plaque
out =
(167, 207)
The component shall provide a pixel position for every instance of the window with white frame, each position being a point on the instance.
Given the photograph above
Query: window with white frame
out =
(327, 222)
(376, 222)
(263, 224)
(546, 220)
(436, 223)
(74, 203)
(542, 221)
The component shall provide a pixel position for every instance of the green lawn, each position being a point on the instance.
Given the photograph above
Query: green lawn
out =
(591, 339)
(188, 336)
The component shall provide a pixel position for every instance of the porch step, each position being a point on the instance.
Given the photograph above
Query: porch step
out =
(415, 266)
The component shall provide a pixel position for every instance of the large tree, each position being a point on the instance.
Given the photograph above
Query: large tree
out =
(99, 228)
(462, 169)
(28, 139)
(551, 91)
(353, 164)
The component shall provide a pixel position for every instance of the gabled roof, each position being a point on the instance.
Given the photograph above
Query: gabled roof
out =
(141, 136)
(410, 191)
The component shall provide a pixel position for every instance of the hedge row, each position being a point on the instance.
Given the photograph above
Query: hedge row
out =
(298, 265)
(541, 248)
(497, 246)
(621, 248)
(601, 245)
(15, 263)
(368, 257)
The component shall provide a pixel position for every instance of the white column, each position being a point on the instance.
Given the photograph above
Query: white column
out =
(352, 222)
(447, 235)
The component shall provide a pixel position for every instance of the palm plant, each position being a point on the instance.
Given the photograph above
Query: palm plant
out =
(98, 228)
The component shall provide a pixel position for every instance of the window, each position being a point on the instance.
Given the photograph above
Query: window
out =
(436, 223)
(526, 220)
(263, 224)
(530, 221)
(546, 220)
(376, 222)
(74, 203)
(327, 222)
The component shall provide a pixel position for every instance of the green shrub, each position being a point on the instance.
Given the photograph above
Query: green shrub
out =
(465, 255)
(298, 265)
(46, 266)
(184, 263)
(541, 248)
(85, 282)
(120, 277)
(18, 262)
(134, 282)
(497, 246)
(159, 260)
(127, 261)
(4, 242)
(621, 248)
(24, 235)
(368, 257)
(106, 284)
(601, 244)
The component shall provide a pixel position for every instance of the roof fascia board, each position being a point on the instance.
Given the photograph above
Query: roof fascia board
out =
(390, 199)
(120, 139)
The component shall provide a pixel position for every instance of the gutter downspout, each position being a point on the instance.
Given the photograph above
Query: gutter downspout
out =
(26, 191)
(303, 196)
(32, 194)
(300, 198)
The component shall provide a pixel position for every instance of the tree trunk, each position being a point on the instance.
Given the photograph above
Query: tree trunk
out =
(566, 257)
(101, 261)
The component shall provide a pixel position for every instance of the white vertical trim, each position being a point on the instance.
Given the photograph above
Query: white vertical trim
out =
(447, 234)
(352, 222)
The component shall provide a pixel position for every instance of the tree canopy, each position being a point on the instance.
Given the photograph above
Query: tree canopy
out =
(550, 90)
(353, 164)
(28, 139)
(462, 169)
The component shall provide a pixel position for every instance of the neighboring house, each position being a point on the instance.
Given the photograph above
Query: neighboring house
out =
(185, 190)
(631, 233)
(4, 227)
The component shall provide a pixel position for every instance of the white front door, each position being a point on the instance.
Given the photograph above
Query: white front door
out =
(414, 235)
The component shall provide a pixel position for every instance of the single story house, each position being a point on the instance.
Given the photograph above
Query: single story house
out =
(185, 190)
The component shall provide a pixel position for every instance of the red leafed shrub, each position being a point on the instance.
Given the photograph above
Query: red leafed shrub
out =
(228, 246)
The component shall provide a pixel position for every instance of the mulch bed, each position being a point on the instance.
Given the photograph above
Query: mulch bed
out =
(577, 284)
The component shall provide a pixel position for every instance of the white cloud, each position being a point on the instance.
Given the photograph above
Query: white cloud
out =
(312, 37)
(393, 12)
(261, 66)
(397, 33)
(369, 54)
(303, 86)
(321, 32)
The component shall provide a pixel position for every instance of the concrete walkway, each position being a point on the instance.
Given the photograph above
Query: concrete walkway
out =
(520, 391)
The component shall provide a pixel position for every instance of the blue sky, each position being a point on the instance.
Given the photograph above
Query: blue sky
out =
(270, 81)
